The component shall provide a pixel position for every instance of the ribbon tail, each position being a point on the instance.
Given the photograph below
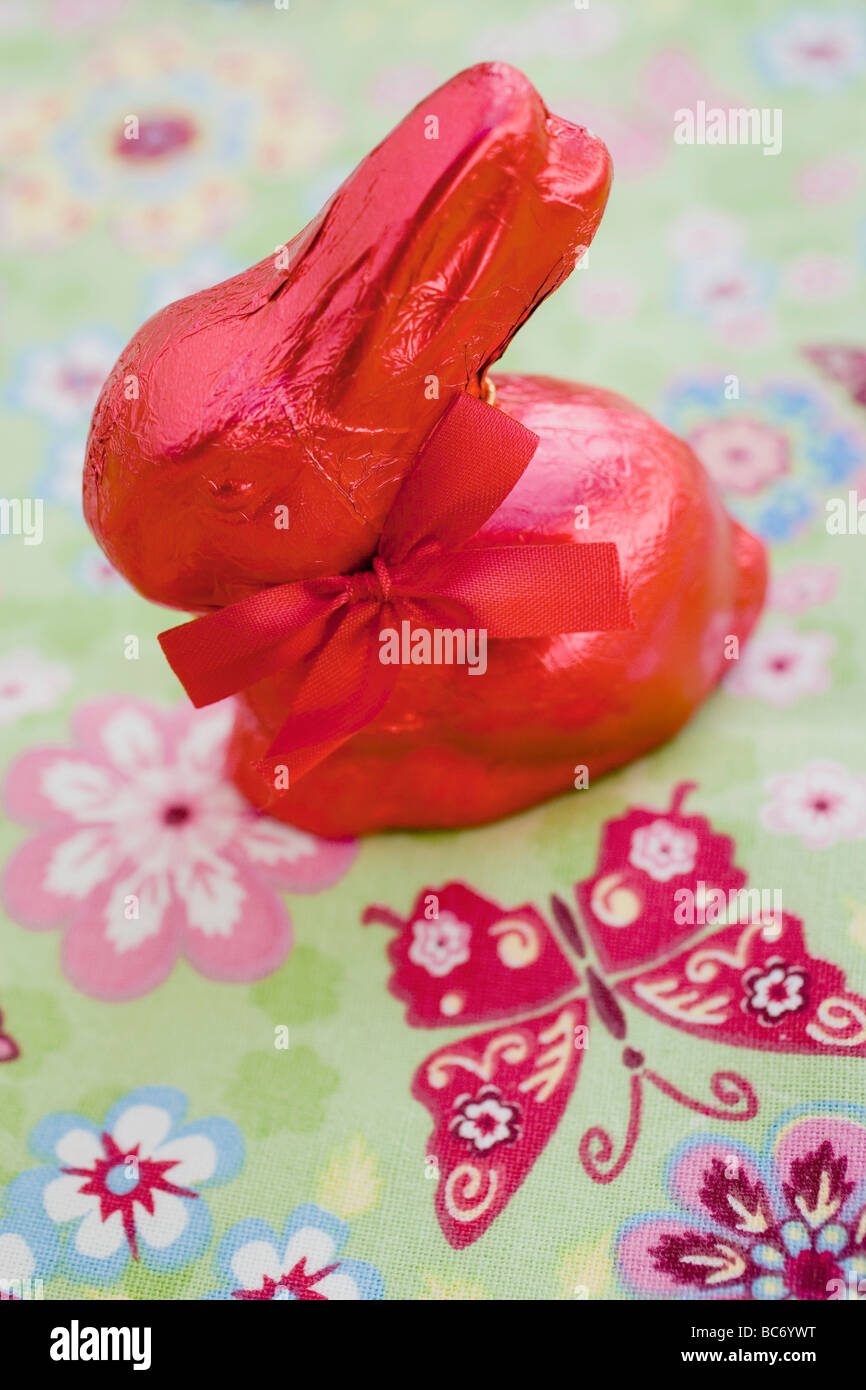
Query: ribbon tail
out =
(346, 687)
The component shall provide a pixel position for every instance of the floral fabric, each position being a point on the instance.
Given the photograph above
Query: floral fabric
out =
(612, 1048)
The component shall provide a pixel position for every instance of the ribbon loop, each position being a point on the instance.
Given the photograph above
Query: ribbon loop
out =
(467, 468)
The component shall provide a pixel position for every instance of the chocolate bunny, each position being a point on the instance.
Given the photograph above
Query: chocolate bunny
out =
(306, 387)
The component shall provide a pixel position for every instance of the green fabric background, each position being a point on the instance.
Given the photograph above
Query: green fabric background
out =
(332, 1119)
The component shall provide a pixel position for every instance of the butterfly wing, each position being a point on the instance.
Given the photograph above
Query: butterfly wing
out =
(754, 985)
(496, 1099)
(461, 958)
(645, 859)
(843, 364)
(8, 1046)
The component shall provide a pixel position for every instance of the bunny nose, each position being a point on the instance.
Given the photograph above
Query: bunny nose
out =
(371, 584)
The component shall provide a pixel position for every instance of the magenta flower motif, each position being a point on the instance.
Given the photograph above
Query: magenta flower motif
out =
(787, 1224)
(439, 946)
(663, 851)
(486, 1120)
(144, 851)
(775, 990)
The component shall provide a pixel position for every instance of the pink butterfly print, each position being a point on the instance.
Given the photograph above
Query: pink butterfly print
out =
(497, 1096)
(8, 1046)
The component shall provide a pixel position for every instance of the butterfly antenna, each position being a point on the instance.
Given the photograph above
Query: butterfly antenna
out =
(738, 1100)
(596, 1151)
(381, 916)
(681, 791)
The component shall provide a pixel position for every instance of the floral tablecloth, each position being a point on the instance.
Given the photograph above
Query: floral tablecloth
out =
(491, 1064)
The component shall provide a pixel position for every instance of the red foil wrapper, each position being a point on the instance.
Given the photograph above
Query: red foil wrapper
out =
(304, 389)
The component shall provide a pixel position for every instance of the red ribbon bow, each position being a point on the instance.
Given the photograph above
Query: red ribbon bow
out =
(327, 630)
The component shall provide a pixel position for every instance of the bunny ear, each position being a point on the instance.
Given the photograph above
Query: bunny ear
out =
(447, 237)
(428, 260)
(425, 264)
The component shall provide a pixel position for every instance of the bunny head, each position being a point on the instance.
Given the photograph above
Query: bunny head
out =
(257, 432)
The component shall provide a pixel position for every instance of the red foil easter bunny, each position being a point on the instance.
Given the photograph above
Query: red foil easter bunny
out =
(308, 386)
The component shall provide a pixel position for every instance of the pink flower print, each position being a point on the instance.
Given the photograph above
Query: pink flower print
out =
(441, 945)
(722, 289)
(833, 179)
(608, 297)
(97, 574)
(201, 212)
(821, 804)
(62, 383)
(486, 1120)
(550, 30)
(638, 144)
(815, 278)
(638, 135)
(753, 330)
(812, 49)
(802, 587)
(663, 851)
(788, 1223)
(396, 87)
(775, 990)
(701, 232)
(30, 684)
(73, 14)
(743, 455)
(673, 78)
(779, 665)
(144, 851)
(38, 214)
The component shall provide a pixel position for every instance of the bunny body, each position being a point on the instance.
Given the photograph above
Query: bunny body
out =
(305, 384)
(449, 750)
